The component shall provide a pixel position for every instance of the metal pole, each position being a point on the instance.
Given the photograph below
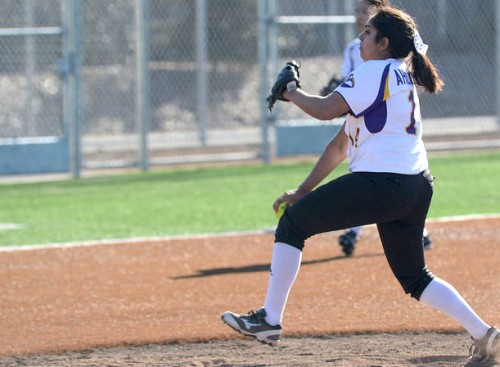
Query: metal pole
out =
(142, 74)
(263, 13)
(274, 35)
(497, 11)
(30, 68)
(350, 32)
(201, 60)
(333, 29)
(78, 90)
(64, 73)
(442, 20)
(274, 53)
(74, 85)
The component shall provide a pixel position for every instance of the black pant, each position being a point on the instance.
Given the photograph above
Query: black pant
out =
(397, 203)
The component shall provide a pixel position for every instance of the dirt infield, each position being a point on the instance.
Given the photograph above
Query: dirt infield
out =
(158, 303)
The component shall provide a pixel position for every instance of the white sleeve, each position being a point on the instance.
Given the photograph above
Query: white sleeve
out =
(366, 87)
(347, 65)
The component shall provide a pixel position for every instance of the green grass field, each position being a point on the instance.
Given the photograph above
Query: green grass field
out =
(211, 200)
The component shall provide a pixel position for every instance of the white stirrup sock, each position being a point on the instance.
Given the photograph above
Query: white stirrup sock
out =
(444, 297)
(285, 266)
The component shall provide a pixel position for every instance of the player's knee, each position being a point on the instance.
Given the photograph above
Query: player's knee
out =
(288, 232)
(414, 284)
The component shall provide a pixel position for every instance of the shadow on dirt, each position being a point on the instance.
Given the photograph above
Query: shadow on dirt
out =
(263, 267)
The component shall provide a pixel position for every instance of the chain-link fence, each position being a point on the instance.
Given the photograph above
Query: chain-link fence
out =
(203, 81)
(204, 71)
(31, 90)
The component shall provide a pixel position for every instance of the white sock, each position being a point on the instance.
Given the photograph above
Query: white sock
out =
(425, 234)
(285, 266)
(444, 297)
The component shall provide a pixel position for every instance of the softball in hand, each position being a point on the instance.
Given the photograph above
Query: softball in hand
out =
(281, 209)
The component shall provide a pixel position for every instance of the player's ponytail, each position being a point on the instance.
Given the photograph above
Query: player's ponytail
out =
(404, 40)
(425, 73)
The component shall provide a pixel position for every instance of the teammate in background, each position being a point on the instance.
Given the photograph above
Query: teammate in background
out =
(393, 190)
(350, 238)
(351, 56)
(352, 59)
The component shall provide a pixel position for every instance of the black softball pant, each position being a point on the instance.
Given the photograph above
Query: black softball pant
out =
(397, 203)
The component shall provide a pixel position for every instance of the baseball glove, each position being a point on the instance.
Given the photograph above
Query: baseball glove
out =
(330, 87)
(288, 79)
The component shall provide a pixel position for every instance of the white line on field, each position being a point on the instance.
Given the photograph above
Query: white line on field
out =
(198, 236)
(8, 226)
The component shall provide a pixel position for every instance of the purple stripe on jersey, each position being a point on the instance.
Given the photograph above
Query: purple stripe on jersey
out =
(376, 114)
(375, 119)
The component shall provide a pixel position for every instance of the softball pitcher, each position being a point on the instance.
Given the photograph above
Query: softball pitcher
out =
(390, 183)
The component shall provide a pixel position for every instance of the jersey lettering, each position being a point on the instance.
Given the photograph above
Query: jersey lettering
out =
(410, 129)
(402, 77)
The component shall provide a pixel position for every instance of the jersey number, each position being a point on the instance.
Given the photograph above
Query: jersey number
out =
(354, 141)
(410, 129)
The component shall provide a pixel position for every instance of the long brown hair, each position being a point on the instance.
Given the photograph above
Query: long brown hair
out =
(400, 28)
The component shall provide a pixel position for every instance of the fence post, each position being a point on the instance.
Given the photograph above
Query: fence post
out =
(30, 64)
(263, 44)
(497, 43)
(350, 32)
(201, 60)
(73, 105)
(142, 74)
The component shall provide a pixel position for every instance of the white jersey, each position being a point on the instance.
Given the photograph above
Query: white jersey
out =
(384, 124)
(352, 58)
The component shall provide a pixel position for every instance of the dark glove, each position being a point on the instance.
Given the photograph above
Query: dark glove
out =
(330, 87)
(289, 74)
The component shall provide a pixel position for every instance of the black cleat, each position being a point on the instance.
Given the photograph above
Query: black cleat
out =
(254, 324)
(427, 242)
(348, 242)
(486, 348)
